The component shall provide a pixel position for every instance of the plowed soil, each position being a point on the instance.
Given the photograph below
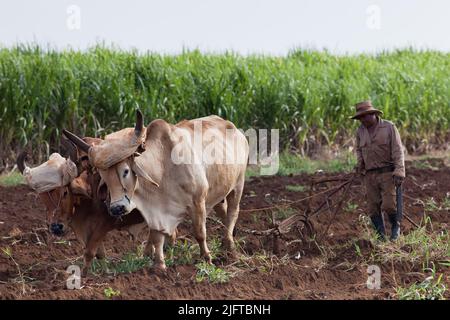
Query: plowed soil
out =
(323, 269)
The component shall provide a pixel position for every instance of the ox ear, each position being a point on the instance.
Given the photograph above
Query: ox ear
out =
(102, 190)
(140, 172)
(80, 187)
(141, 147)
(80, 191)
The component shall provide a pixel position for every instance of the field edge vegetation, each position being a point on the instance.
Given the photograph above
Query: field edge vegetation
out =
(308, 95)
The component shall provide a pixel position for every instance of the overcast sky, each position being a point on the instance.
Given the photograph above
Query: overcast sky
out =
(246, 26)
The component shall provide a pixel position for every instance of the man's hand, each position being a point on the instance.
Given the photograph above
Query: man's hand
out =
(398, 181)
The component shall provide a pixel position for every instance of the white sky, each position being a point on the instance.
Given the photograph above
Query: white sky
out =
(246, 26)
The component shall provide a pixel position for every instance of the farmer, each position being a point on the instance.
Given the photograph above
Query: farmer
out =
(381, 163)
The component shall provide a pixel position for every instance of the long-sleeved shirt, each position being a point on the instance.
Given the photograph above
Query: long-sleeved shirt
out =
(380, 149)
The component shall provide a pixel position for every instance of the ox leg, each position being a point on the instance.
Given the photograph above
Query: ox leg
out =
(158, 242)
(199, 224)
(88, 257)
(173, 237)
(101, 252)
(91, 250)
(233, 199)
(149, 247)
(221, 210)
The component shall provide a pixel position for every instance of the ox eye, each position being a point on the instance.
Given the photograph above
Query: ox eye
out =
(125, 173)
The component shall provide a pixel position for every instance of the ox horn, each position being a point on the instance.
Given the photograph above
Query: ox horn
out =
(139, 123)
(21, 161)
(69, 149)
(78, 141)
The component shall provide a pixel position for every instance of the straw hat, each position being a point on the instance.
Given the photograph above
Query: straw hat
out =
(365, 107)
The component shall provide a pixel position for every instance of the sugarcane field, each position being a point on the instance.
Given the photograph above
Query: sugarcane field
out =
(181, 166)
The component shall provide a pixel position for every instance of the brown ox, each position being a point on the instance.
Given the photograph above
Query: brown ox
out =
(80, 206)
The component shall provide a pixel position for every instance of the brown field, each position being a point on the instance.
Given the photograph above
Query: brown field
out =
(333, 268)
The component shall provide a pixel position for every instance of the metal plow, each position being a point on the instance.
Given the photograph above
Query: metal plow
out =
(335, 196)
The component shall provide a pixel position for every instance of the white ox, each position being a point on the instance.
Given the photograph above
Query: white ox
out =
(189, 168)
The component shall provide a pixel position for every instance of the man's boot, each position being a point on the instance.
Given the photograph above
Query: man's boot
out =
(378, 223)
(395, 226)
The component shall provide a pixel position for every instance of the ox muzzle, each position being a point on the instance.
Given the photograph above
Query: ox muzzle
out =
(57, 229)
(121, 207)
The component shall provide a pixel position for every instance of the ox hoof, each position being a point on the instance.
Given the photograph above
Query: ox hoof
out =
(159, 267)
(232, 254)
(208, 259)
(228, 244)
(100, 256)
